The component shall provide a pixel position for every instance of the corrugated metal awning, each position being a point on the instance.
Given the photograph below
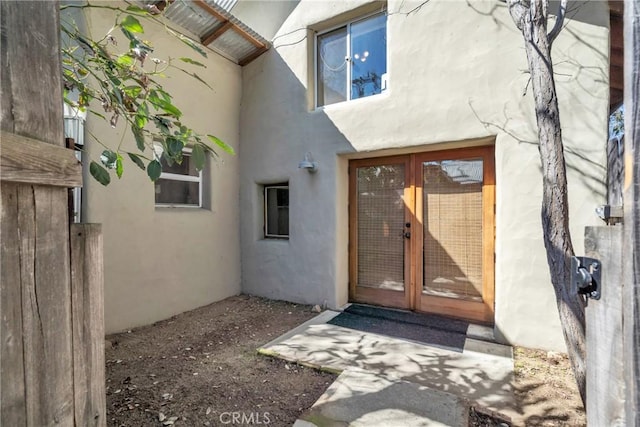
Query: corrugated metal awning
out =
(217, 28)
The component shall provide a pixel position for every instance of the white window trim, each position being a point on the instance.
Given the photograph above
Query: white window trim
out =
(346, 25)
(266, 212)
(185, 178)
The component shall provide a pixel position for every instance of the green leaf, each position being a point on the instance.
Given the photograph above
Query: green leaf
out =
(158, 93)
(99, 173)
(174, 147)
(131, 24)
(191, 44)
(164, 95)
(103, 52)
(119, 167)
(198, 156)
(164, 105)
(85, 44)
(141, 121)
(170, 160)
(162, 124)
(136, 9)
(154, 169)
(125, 60)
(195, 76)
(221, 144)
(117, 93)
(114, 80)
(191, 61)
(132, 91)
(98, 114)
(137, 160)
(108, 158)
(137, 133)
(143, 109)
(133, 39)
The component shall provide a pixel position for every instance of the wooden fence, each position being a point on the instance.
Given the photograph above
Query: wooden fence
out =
(51, 311)
(631, 198)
(613, 322)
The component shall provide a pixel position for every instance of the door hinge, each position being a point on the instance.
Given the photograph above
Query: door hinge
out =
(586, 275)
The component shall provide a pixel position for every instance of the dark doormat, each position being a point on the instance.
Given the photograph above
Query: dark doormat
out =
(428, 329)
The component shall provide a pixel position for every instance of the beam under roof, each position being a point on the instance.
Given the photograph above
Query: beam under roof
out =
(211, 21)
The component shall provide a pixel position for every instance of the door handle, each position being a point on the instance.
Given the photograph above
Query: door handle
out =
(407, 234)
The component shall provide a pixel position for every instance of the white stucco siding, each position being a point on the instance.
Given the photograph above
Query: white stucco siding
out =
(163, 261)
(443, 59)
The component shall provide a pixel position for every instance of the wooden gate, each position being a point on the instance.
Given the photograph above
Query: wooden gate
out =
(613, 322)
(52, 327)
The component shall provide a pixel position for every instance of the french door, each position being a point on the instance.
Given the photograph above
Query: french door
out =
(422, 232)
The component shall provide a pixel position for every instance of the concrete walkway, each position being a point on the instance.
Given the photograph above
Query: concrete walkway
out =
(388, 381)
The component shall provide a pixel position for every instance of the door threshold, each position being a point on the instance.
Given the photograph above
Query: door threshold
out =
(472, 330)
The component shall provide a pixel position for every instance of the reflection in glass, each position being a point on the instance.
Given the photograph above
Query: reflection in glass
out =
(381, 214)
(452, 220)
(363, 45)
(332, 67)
(171, 192)
(186, 167)
(179, 183)
(277, 211)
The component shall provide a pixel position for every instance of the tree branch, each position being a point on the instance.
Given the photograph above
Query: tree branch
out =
(518, 9)
(557, 27)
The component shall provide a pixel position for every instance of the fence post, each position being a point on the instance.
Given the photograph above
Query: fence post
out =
(36, 360)
(87, 318)
(605, 372)
(631, 248)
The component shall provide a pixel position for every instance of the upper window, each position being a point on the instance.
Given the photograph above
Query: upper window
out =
(179, 184)
(351, 61)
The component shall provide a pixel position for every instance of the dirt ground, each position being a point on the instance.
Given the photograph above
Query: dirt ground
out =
(201, 368)
(546, 390)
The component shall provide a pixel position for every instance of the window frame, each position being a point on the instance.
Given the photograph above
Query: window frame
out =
(265, 189)
(186, 152)
(347, 24)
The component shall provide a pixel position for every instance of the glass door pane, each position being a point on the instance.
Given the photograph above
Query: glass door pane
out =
(380, 226)
(452, 220)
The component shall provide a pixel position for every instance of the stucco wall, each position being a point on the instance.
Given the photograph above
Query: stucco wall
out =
(264, 17)
(452, 66)
(162, 261)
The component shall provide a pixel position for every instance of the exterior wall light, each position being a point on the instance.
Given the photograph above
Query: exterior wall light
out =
(308, 163)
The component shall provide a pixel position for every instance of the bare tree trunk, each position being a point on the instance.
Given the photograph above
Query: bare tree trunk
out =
(531, 19)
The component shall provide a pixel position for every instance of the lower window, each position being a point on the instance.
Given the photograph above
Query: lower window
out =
(179, 185)
(276, 211)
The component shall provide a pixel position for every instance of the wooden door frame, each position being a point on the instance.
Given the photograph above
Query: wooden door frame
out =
(379, 296)
(413, 298)
(477, 311)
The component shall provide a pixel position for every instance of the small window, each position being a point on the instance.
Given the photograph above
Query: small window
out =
(276, 211)
(351, 61)
(179, 185)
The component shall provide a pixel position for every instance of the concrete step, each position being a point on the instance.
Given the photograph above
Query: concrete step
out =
(360, 398)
